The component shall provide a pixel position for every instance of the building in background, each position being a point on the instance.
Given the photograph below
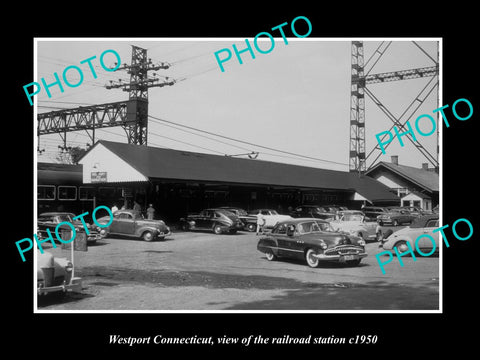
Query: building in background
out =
(415, 186)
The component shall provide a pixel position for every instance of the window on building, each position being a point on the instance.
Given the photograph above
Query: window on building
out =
(46, 192)
(416, 203)
(86, 193)
(67, 193)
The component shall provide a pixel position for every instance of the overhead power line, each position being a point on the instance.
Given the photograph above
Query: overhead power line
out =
(248, 143)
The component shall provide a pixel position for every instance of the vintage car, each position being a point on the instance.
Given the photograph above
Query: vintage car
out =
(50, 220)
(396, 216)
(372, 212)
(55, 275)
(249, 221)
(131, 223)
(355, 223)
(313, 240)
(313, 211)
(421, 225)
(215, 219)
(272, 217)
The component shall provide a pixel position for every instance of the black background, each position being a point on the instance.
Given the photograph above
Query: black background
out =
(88, 334)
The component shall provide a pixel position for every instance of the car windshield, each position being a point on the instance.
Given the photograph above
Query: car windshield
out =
(352, 217)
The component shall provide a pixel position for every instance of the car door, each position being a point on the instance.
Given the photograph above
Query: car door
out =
(124, 224)
(425, 243)
(283, 240)
(205, 219)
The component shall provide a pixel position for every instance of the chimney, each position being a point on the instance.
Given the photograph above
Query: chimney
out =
(425, 166)
(394, 159)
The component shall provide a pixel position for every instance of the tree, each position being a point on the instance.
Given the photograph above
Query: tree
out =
(71, 155)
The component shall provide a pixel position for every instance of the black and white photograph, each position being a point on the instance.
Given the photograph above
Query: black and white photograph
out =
(230, 185)
(292, 182)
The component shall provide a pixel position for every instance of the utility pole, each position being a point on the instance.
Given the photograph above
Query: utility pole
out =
(137, 106)
(131, 115)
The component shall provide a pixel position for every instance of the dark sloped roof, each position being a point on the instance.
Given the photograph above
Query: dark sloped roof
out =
(183, 165)
(424, 178)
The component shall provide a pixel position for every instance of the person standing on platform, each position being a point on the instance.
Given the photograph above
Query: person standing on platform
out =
(150, 212)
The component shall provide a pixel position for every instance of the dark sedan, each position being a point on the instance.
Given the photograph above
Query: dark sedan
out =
(396, 216)
(217, 220)
(50, 220)
(313, 211)
(313, 240)
(249, 221)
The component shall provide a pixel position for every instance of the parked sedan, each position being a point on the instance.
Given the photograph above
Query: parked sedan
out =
(55, 275)
(313, 240)
(249, 221)
(422, 225)
(50, 220)
(396, 217)
(355, 223)
(272, 217)
(313, 211)
(132, 223)
(217, 220)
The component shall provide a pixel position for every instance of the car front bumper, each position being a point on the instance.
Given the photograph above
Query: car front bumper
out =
(75, 285)
(342, 253)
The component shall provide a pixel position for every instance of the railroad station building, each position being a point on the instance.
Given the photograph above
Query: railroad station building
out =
(178, 182)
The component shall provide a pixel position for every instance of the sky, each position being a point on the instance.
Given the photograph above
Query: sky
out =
(296, 98)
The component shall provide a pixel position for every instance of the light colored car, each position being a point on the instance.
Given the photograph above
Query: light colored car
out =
(421, 225)
(55, 275)
(354, 223)
(272, 217)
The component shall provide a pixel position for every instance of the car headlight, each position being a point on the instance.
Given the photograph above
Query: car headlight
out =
(361, 242)
(323, 245)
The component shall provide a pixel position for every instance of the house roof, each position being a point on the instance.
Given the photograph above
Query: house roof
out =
(162, 163)
(423, 178)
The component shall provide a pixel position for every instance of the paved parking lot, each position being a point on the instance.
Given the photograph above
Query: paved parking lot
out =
(203, 271)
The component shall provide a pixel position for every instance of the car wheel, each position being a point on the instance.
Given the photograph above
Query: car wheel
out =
(217, 229)
(401, 246)
(251, 227)
(395, 223)
(147, 236)
(312, 261)
(270, 255)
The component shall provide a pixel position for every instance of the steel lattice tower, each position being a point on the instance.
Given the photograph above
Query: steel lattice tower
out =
(360, 78)
(357, 110)
(131, 115)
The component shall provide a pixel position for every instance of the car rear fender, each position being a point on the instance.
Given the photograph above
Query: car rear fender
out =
(139, 231)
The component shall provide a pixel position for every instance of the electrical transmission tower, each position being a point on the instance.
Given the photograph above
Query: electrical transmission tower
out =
(138, 92)
(360, 78)
(131, 115)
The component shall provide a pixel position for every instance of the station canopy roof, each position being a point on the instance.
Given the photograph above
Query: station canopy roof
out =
(143, 163)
